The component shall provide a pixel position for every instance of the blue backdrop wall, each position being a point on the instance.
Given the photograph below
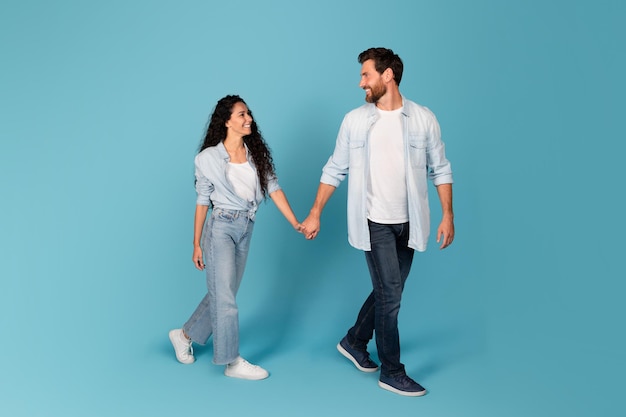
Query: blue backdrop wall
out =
(103, 105)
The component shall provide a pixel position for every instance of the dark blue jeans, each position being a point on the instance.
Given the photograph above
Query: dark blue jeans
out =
(389, 263)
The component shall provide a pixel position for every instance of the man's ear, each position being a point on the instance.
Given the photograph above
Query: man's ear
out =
(388, 75)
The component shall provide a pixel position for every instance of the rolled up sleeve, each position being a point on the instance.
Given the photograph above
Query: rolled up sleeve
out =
(204, 187)
(439, 168)
(336, 169)
(272, 184)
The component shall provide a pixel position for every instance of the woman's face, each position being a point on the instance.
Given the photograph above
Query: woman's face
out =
(240, 122)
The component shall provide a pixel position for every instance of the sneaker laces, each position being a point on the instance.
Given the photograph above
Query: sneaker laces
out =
(187, 343)
(407, 380)
(247, 364)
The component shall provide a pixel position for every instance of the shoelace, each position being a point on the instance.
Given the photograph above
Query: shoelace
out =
(190, 347)
(247, 364)
(188, 344)
(407, 381)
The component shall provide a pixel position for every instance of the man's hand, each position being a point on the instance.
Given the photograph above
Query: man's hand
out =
(311, 226)
(445, 232)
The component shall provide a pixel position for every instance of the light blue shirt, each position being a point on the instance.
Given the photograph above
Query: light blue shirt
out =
(213, 187)
(424, 159)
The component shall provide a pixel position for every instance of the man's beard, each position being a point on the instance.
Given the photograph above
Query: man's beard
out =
(376, 92)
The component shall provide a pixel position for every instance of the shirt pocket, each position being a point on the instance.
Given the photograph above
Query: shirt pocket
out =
(417, 149)
(357, 153)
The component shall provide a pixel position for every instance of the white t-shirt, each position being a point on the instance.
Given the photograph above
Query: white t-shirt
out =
(386, 188)
(243, 179)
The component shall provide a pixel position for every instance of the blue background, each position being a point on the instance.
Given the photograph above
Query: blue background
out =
(103, 105)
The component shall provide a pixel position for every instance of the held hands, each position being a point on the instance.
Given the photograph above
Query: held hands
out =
(311, 227)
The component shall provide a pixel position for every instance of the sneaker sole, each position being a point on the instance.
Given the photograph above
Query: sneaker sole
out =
(354, 361)
(247, 377)
(400, 392)
(190, 360)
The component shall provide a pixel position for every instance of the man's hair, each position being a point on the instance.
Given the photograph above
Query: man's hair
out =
(384, 58)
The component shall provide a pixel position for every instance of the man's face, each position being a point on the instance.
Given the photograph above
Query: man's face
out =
(372, 82)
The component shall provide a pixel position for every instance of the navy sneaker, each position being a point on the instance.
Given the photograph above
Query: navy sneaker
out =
(360, 358)
(402, 385)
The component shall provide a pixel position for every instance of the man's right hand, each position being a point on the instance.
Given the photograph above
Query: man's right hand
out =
(311, 226)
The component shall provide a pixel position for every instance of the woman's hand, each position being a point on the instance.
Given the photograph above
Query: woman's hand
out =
(197, 258)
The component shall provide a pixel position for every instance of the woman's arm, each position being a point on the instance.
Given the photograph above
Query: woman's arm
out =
(280, 199)
(198, 224)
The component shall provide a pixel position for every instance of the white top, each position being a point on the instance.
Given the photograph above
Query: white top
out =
(386, 188)
(243, 179)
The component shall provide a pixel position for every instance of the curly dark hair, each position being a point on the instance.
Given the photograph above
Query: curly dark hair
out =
(384, 58)
(259, 151)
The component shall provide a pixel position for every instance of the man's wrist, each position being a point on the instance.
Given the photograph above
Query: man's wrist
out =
(315, 212)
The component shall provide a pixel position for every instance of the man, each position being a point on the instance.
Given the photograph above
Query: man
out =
(390, 146)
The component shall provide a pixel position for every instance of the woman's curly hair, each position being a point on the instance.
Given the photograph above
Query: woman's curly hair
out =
(259, 151)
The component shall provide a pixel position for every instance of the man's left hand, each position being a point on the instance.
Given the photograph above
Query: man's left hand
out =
(445, 232)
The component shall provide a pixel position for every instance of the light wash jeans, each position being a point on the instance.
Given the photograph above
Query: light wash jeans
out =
(225, 244)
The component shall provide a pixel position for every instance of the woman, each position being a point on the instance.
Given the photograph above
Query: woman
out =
(234, 173)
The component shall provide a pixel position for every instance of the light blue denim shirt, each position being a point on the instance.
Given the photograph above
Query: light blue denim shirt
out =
(213, 187)
(424, 159)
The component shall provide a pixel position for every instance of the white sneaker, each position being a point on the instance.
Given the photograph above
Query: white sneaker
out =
(243, 369)
(182, 346)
